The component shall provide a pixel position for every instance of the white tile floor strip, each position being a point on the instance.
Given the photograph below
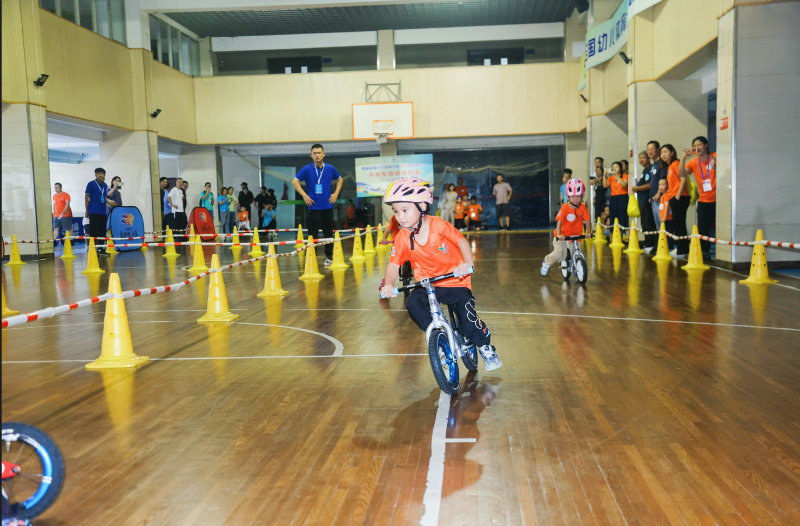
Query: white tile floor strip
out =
(432, 500)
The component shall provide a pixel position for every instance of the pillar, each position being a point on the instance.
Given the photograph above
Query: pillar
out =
(208, 59)
(386, 59)
(758, 122)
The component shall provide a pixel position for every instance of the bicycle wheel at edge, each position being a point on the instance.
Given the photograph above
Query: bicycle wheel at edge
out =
(565, 272)
(443, 362)
(40, 460)
(470, 358)
(581, 269)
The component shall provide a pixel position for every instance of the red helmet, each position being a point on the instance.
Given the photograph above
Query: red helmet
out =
(575, 187)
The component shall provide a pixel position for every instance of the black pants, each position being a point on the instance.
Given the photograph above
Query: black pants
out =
(648, 224)
(97, 228)
(679, 208)
(706, 215)
(177, 221)
(460, 298)
(618, 207)
(321, 219)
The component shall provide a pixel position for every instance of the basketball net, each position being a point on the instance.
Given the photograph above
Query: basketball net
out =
(381, 138)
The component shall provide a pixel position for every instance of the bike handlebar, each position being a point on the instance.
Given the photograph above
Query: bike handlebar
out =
(432, 280)
(574, 238)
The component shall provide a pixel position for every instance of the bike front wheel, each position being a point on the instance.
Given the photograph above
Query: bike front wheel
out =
(470, 358)
(581, 269)
(40, 466)
(443, 361)
(565, 270)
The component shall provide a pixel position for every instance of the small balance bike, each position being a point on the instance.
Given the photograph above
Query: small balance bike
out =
(575, 262)
(445, 342)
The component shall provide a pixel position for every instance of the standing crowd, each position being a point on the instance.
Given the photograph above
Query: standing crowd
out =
(465, 213)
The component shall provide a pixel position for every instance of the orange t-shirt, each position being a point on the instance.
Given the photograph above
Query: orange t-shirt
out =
(663, 209)
(439, 255)
(459, 210)
(351, 212)
(244, 216)
(463, 191)
(572, 219)
(474, 212)
(60, 201)
(616, 188)
(706, 178)
(394, 226)
(674, 181)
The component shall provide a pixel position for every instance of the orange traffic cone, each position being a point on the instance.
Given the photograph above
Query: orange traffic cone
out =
(92, 265)
(759, 273)
(312, 271)
(217, 310)
(272, 278)
(117, 349)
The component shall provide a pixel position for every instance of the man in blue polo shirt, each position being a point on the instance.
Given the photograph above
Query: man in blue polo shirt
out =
(318, 177)
(96, 200)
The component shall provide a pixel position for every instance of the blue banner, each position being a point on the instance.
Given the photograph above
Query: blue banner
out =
(126, 221)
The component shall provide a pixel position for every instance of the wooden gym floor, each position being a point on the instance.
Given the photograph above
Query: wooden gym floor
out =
(646, 397)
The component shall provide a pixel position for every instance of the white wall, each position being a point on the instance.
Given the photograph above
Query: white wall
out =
(73, 179)
(127, 155)
(237, 170)
(198, 166)
(19, 207)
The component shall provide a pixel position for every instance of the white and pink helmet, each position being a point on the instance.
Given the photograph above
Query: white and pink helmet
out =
(575, 187)
(409, 190)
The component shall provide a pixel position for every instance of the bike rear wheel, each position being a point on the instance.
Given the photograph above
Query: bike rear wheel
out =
(470, 358)
(443, 361)
(565, 270)
(581, 269)
(41, 475)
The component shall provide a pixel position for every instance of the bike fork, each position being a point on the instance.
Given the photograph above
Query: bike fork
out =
(438, 320)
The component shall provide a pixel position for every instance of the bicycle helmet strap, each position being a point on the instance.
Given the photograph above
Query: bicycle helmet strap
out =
(419, 225)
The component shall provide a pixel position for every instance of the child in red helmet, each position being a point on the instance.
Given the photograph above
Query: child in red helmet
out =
(569, 218)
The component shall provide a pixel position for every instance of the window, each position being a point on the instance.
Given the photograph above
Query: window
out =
(495, 57)
(173, 48)
(104, 17)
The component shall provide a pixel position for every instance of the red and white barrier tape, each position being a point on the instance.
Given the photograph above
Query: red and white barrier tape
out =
(49, 312)
(779, 244)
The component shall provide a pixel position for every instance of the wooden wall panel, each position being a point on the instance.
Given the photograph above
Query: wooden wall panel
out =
(173, 94)
(448, 102)
(615, 83)
(681, 27)
(90, 76)
(14, 76)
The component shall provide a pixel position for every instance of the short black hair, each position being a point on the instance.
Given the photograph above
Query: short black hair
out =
(567, 171)
(656, 143)
(601, 159)
(209, 184)
(263, 188)
(57, 184)
(701, 139)
(99, 171)
(317, 145)
(270, 190)
(163, 179)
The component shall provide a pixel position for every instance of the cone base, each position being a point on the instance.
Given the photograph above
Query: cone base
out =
(617, 245)
(339, 266)
(370, 252)
(172, 255)
(662, 258)
(71, 256)
(256, 254)
(312, 277)
(758, 281)
(9, 312)
(197, 270)
(695, 266)
(599, 241)
(358, 258)
(16, 263)
(275, 292)
(223, 317)
(633, 251)
(93, 271)
(118, 362)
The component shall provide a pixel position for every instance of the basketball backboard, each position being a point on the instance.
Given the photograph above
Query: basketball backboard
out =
(394, 118)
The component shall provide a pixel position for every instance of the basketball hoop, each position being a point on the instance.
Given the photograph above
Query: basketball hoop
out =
(382, 129)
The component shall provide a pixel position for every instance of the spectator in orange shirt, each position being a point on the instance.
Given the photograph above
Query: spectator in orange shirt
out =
(461, 189)
(392, 228)
(704, 168)
(351, 214)
(474, 214)
(617, 180)
(62, 213)
(678, 195)
(243, 219)
(458, 212)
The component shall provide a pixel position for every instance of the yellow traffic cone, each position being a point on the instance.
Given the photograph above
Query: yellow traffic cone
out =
(633, 241)
(390, 239)
(190, 239)
(616, 236)
(92, 265)
(759, 294)
(256, 252)
(6, 310)
(358, 254)
(117, 349)
(312, 271)
(67, 247)
(696, 254)
(170, 252)
(300, 242)
(110, 248)
(759, 273)
(217, 310)
(369, 247)
(235, 239)
(338, 254)
(379, 235)
(199, 262)
(272, 278)
(14, 259)
(662, 252)
(599, 238)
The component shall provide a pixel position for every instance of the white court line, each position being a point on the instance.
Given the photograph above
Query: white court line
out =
(200, 358)
(456, 440)
(432, 500)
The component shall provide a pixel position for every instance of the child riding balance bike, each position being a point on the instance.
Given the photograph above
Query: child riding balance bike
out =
(439, 254)
(568, 228)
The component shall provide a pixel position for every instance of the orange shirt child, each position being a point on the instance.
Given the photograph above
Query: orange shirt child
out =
(663, 209)
(459, 210)
(394, 226)
(572, 220)
(706, 177)
(439, 255)
(674, 181)
(351, 212)
(616, 188)
(244, 216)
(474, 212)
(60, 201)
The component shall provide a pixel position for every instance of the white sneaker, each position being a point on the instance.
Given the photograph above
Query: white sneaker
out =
(673, 252)
(490, 359)
(544, 269)
(648, 250)
(328, 262)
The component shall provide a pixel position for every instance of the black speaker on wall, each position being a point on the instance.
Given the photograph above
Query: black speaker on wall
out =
(582, 5)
